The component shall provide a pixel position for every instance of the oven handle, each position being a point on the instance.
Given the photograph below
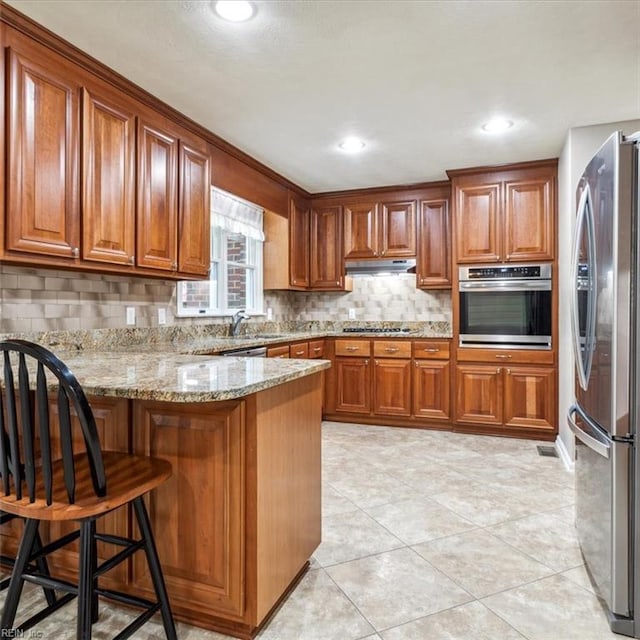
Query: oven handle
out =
(492, 286)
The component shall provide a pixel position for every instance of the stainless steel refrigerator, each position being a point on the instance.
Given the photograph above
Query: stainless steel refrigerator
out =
(605, 417)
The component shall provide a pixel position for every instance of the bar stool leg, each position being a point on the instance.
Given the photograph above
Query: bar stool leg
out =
(85, 582)
(43, 568)
(17, 582)
(154, 568)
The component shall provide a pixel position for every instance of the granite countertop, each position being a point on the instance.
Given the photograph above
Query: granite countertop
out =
(181, 378)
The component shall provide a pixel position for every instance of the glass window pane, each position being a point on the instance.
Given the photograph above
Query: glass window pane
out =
(236, 287)
(196, 295)
(236, 248)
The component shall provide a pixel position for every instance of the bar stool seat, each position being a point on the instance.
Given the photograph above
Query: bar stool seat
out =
(76, 486)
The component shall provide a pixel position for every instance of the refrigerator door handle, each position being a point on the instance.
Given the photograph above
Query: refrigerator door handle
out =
(589, 436)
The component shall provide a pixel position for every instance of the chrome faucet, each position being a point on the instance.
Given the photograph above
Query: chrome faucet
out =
(237, 318)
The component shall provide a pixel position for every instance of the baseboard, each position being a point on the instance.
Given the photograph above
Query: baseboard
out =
(564, 455)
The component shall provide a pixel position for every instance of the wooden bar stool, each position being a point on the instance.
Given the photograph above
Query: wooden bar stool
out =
(79, 486)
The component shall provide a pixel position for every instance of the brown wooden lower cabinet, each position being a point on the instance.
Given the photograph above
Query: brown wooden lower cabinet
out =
(280, 351)
(431, 385)
(392, 387)
(353, 385)
(512, 397)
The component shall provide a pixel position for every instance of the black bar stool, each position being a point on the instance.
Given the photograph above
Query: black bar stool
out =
(79, 487)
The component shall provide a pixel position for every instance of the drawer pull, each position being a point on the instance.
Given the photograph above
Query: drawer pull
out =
(353, 348)
(298, 353)
(317, 349)
(504, 356)
(391, 349)
(432, 350)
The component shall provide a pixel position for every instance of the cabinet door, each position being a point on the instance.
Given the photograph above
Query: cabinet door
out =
(530, 398)
(398, 229)
(42, 164)
(299, 243)
(205, 444)
(479, 394)
(108, 165)
(194, 218)
(392, 387)
(477, 210)
(353, 385)
(361, 230)
(434, 249)
(529, 220)
(157, 215)
(431, 390)
(112, 421)
(326, 264)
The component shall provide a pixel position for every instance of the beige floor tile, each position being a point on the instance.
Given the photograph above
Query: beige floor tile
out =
(545, 538)
(472, 621)
(317, 610)
(481, 563)
(333, 503)
(415, 521)
(552, 609)
(579, 576)
(348, 536)
(373, 488)
(396, 587)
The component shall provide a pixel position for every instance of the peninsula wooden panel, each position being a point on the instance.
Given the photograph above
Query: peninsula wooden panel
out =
(477, 223)
(42, 210)
(198, 515)
(433, 265)
(108, 165)
(194, 217)
(112, 421)
(157, 215)
(398, 229)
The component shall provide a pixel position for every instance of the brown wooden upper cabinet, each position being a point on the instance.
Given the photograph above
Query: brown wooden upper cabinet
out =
(433, 265)
(506, 214)
(43, 106)
(299, 212)
(143, 205)
(326, 263)
(385, 229)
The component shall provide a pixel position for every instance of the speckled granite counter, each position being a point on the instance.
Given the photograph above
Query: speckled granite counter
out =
(168, 377)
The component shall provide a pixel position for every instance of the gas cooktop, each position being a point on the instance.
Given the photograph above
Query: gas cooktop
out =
(374, 330)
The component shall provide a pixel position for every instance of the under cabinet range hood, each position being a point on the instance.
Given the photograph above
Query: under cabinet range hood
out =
(379, 267)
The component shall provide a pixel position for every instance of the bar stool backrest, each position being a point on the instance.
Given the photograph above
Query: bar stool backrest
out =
(20, 462)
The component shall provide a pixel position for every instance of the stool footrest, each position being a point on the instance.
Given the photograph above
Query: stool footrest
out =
(54, 546)
(125, 598)
(129, 630)
(111, 539)
(50, 583)
(107, 565)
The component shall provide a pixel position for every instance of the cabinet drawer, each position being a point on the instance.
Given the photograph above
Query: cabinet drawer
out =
(353, 348)
(391, 349)
(299, 350)
(431, 349)
(316, 348)
(278, 352)
(506, 356)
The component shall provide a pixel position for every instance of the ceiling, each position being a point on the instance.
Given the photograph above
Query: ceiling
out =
(415, 79)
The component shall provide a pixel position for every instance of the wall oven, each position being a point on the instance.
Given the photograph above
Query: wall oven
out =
(505, 306)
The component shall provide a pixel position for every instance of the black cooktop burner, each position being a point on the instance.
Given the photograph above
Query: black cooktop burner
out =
(374, 330)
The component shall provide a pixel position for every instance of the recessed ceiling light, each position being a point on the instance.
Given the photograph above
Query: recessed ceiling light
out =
(234, 10)
(497, 125)
(352, 145)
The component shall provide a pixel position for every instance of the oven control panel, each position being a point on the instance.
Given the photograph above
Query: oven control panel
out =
(507, 272)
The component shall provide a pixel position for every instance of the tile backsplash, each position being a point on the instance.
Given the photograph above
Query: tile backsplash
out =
(50, 300)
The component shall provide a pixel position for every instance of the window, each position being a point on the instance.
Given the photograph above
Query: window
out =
(235, 277)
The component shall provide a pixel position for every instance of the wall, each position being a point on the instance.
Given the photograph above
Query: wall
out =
(48, 300)
(580, 145)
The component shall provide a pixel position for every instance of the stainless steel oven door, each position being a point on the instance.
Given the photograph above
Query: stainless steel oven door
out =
(505, 313)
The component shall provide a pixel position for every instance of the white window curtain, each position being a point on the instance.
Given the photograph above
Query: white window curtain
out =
(236, 215)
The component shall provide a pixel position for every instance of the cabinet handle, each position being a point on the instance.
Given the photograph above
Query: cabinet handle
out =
(75, 252)
(174, 266)
(298, 353)
(132, 259)
(431, 350)
(382, 252)
(504, 356)
(391, 349)
(316, 349)
(367, 362)
(353, 348)
(508, 371)
(415, 363)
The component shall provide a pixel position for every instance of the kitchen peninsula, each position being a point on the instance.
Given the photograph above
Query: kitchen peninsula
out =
(239, 519)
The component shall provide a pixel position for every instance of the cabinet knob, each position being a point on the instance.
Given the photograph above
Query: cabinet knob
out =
(509, 371)
(75, 252)
(367, 361)
(132, 259)
(174, 266)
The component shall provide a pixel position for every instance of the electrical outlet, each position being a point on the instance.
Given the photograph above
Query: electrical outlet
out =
(131, 315)
(162, 316)
(269, 313)
(352, 314)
